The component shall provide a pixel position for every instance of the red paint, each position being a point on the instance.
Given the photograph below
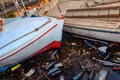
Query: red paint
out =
(1, 22)
(61, 18)
(52, 45)
(57, 45)
(116, 68)
(29, 43)
(114, 44)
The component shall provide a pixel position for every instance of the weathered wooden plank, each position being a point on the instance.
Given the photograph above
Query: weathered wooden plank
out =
(114, 12)
(103, 13)
(102, 2)
(93, 8)
(104, 19)
(118, 19)
(85, 13)
(94, 13)
(108, 5)
(69, 14)
(90, 3)
(112, 19)
(78, 13)
(99, 12)
(96, 23)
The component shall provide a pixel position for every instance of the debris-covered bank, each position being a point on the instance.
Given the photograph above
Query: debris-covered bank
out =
(77, 59)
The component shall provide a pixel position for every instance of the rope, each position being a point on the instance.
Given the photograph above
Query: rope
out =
(36, 29)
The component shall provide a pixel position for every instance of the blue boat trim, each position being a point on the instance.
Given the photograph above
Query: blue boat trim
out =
(3, 69)
(113, 32)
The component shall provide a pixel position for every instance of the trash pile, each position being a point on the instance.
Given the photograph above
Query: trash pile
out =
(77, 59)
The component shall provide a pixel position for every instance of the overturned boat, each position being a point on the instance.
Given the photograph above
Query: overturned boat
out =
(102, 30)
(26, 37)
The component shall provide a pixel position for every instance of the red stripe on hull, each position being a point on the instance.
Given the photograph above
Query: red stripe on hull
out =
(29, 43)
(61, 18)
(52, 45)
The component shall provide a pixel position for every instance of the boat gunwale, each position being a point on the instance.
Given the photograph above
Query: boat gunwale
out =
(36, 29)
(29, 43)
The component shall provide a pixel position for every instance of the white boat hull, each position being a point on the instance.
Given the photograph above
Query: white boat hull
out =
(102, 34)
(49, 38)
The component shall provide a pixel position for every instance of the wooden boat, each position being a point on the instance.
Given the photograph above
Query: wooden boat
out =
(27, 37)
(106, 13)
(103, 30)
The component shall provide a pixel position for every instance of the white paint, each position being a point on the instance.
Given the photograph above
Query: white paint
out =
(15, 29)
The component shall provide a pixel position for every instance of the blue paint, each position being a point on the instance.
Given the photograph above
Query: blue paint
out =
(77, 76)
(51, 64)
(52, 71)
(38, 70)
(3, 69)
(90, 45)
(53, 54)
(33, 16)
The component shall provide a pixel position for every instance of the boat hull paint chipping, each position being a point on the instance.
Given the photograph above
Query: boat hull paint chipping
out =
(106, 35)
(49, 37)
